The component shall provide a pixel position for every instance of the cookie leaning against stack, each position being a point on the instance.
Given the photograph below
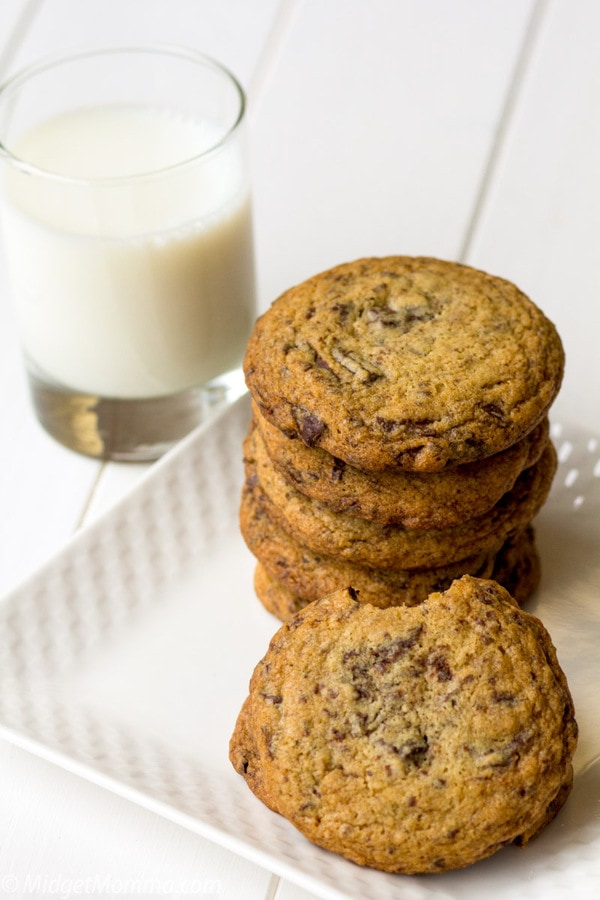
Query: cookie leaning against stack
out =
(415, 739)
(400, 409)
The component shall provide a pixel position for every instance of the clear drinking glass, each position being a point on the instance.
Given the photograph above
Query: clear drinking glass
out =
(127, 236)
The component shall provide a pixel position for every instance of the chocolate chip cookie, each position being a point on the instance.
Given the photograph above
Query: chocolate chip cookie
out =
(368, 543)
(395, 497)
(516, 567)
(313, 575)
(413, 739)
(404, 361)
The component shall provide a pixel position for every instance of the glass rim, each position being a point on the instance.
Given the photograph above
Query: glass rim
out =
(53, 61)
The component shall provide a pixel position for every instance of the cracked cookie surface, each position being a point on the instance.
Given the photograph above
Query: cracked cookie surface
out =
(417, 739)
(406, 362)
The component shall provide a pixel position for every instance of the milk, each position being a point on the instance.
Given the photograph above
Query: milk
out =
(127, 286)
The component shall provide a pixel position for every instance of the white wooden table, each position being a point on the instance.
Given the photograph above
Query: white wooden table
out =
(455, 128)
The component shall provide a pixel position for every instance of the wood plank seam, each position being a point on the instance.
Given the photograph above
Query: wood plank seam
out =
(517, 80)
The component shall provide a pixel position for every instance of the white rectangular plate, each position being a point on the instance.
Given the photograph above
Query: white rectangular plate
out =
(127, 657)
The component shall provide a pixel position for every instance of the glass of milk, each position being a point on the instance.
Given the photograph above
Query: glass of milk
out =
(127, 234)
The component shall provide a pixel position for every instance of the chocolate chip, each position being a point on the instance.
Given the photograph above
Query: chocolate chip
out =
(268, 738)
(419, 428)
(388, 426)
(275, 699)
(322, 364)
(440, 666)
(345, 312)
(386, 654)
(493, 410)
(338, 469)
(311, 426)
(413, 752)
(504, 697)
(403, 319)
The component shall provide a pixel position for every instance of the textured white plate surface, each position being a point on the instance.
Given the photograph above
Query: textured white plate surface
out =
(127, 658)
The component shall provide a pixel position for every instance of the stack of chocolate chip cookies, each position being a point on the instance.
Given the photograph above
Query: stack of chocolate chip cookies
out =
(400, 434)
